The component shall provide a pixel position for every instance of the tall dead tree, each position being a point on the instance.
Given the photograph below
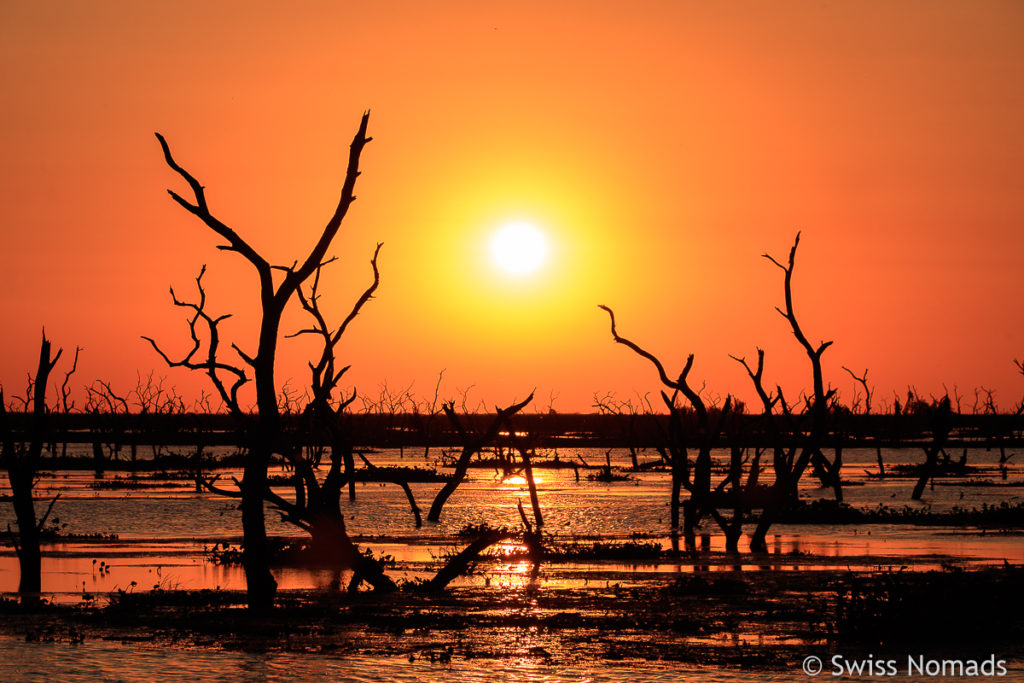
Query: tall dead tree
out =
(262, 431)
(791, 464)
(21, 459)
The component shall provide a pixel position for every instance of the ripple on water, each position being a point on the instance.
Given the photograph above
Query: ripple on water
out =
(109, 661)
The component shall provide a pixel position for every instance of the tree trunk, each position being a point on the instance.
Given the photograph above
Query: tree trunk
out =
(444, 494)
(690, 522)
(836, 474)
(261, 587)
(350, 472)
(29, 555)
(732, 537)
(458, 564)
(927, 472)
(97, 459)
(22, 462)
(674, 501)
(758, 540)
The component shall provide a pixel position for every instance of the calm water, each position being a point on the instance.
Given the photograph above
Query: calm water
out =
(164, 532)
(103, 661)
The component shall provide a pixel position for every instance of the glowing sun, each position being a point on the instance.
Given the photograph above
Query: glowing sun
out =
(519, 248)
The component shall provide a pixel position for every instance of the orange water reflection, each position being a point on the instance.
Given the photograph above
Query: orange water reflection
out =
(71, 577)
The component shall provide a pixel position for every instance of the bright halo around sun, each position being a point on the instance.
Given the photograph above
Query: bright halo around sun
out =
(519, 248)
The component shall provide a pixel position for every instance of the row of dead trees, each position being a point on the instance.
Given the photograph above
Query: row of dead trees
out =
(797, 434)
(731, 501)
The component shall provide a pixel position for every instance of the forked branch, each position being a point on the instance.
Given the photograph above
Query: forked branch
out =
(325, 379)
(210, 364)
(680, 384)
(202, 210)
(768, 401)
(863, 381)
(820, 396)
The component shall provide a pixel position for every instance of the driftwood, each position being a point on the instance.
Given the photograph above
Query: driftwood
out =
(459, 564)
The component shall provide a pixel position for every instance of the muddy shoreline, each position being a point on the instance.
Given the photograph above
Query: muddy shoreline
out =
(762, 620)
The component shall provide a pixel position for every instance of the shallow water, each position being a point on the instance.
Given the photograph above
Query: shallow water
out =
(97, 660)
(163, 532)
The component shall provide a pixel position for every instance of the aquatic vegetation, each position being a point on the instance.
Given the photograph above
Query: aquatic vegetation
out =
(55, 530)
(1004, 514)
(602, 550)
(939, 607)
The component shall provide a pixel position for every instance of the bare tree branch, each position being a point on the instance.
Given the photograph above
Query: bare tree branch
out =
(210, 365)
(863, 380)
(790, 315)
(200, 209)
(679, 384)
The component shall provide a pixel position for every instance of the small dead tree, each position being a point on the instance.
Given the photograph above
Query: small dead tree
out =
(316, 505)
(22, 463)
(697, 481)
(263, 431)
(626, 415)
(66, 403)
(423, 419)
(533, 534)
(1019, 410)
(110, 415)
(940, 423)
(868, 393)
(325, 413)
(472, 443)
(820, 400)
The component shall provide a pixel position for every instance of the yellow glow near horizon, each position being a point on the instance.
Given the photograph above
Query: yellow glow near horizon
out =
(519, 248)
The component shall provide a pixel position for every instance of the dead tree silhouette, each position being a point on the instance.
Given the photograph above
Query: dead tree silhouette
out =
(697, 481)
(627, 416)
(472, 443)
(316, 506)
(1019, 364)
(791, 463)
(263, 430)
(940, 422)
(22, 463)
(66, 405)
(793, 451)
(868, 393)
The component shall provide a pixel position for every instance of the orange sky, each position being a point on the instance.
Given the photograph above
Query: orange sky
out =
(663, 146)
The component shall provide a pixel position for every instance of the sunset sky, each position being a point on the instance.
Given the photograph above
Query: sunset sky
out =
(659, 147)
